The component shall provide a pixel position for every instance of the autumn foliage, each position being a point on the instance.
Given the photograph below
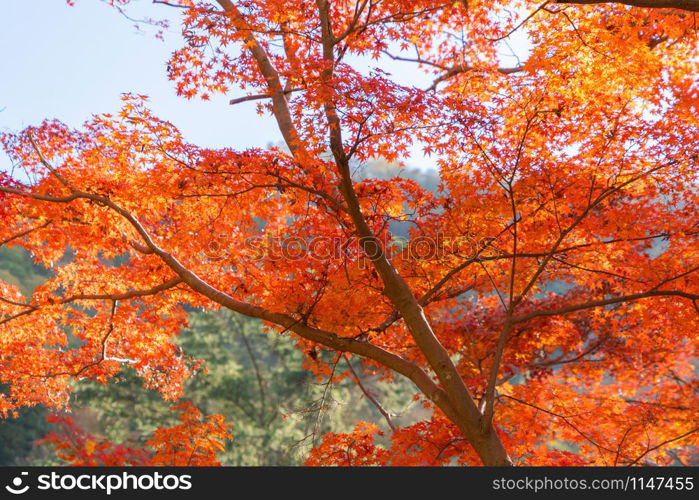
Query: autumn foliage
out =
(552, 318)
(194, 442)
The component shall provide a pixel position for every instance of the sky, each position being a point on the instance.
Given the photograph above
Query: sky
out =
(71, 62)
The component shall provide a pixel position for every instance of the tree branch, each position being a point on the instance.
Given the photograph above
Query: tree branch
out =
(690, 5)
(486, 443)
(280, 106)
(605, 302)
(257, 97)
(341, 344)
(465, 68)
(371, 397)
(660, 445)
(24, 233)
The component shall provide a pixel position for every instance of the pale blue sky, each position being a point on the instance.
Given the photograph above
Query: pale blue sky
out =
(70, 62)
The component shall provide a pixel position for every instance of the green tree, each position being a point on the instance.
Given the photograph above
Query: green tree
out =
(256, 380)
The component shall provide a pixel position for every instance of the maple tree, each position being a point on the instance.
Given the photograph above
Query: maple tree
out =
(547, 302)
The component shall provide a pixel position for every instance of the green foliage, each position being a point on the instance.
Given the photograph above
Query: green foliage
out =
(17, 436)
(255, 379)
(17, 268)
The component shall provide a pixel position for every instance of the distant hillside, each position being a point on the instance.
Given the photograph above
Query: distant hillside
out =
(17, 435)
(379, 169)
(17, 268)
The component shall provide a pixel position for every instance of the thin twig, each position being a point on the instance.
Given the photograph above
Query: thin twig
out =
(370, 396)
